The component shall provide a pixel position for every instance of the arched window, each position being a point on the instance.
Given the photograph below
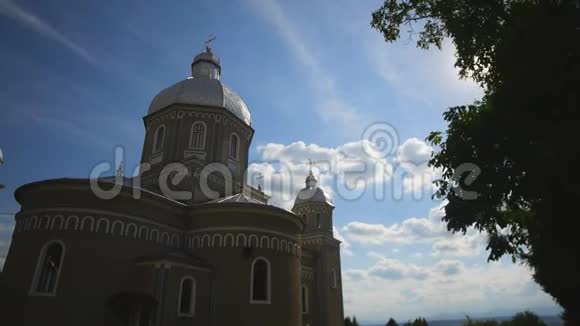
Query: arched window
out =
(304, 300)
(158, 138)
(197, 136)
(260, 281)
(234, 146)
(187, 290)
(333, 280)
(318, 220)
(48, 269)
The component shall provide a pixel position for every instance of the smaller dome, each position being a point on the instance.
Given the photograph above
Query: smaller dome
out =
(207, 56)
(312, 193)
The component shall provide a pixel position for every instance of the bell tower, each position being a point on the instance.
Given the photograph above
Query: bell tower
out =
(321, 271)
(198, 133)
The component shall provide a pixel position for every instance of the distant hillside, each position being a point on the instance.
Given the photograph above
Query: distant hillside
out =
(550, 320)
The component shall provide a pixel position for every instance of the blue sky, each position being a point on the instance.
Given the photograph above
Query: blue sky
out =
(76, 78)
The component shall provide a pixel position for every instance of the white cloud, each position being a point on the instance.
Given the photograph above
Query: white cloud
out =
(19, 14)
(445, 285)
(413, 157)
(430, 229)
(349, 171)
(6, 229)
(344, 245)
(460, 245)
(414, 151)
(353, 275)
(393, 269)
(408, 231)
(346, 170)
(449, 267)
(3, 252)
(423, 287)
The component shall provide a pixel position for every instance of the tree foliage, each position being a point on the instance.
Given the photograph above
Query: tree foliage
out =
(417, 322)
(471, 322)
(509, 160)
(526, 318)
(391, 322)
(350, 322)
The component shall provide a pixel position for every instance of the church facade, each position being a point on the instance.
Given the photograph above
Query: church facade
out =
(213, 252)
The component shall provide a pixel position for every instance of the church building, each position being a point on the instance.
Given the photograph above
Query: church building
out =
(186, 242)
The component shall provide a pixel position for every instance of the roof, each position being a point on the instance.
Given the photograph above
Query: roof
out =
(312, 195)
(237, 198)
(204, 88)
(127, 183)
(202, 92)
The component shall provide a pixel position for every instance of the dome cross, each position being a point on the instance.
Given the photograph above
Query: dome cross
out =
(207, 43)
(310, 179)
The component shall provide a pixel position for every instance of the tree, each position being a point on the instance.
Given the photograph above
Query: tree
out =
(391, 322)
(349, 322)
(526, 318)
(520, 319)
(417, 322)
(520, 186)
(471, 322)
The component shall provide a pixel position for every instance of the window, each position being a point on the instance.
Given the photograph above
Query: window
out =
(304, 300)
(333, 281)
(234, 144)
(260, 281)
(318, 220)
(197, 137)
(187, 290)
(48, 269)
(158, 139)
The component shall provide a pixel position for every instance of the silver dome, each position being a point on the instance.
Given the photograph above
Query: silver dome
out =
(204, 92)
(311, 193)
(204, 88)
